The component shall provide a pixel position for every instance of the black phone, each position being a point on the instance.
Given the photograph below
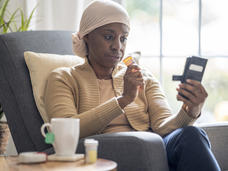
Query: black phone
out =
(194, 70)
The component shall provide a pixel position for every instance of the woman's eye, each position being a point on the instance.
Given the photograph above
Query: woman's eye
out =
(108, 37)
(123, 39)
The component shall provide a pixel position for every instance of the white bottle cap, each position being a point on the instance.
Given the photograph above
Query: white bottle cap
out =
(90, 142)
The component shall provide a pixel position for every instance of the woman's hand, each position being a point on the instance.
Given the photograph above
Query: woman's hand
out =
(196, 94)
(133, 80)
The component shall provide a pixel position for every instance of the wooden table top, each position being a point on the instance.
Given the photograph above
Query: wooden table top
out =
(12, 164)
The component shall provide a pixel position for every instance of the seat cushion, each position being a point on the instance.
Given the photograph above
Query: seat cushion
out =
(40, 66)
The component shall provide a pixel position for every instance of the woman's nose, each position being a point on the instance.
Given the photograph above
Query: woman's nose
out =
(116, 45)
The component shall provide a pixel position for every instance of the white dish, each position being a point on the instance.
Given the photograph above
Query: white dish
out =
(32, 157)
(75, 157)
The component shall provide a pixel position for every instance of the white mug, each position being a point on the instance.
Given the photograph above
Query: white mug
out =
(66, 132)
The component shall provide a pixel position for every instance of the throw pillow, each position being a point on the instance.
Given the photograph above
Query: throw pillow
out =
(40, 66)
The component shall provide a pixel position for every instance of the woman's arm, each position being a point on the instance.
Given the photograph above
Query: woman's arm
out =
(162, 119)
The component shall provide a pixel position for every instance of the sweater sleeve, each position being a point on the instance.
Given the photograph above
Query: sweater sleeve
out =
(161, 118)
(60, 101)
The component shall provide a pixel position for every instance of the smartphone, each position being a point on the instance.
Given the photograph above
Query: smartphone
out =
(194, 70)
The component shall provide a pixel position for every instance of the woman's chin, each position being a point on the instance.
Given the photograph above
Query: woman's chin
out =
(111, 65)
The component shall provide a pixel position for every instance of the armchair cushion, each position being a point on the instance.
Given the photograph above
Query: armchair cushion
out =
(132, 151)
(218, 135)
(40, 66)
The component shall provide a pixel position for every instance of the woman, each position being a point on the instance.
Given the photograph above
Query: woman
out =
(107, 96)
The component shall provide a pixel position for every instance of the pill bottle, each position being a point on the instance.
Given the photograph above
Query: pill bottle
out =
(90, 150)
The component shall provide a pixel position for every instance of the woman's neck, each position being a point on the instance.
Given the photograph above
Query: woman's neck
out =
(104, 77)
(101, 72)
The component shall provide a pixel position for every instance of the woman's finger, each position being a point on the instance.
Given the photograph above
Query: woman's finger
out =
(193, 82)
(204, 91)
(184, 100)
(195, 87)
(134, 66)
(189, 95)
(189, 88)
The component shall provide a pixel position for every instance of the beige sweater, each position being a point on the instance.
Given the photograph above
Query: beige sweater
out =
(120, 123)
(74, 92)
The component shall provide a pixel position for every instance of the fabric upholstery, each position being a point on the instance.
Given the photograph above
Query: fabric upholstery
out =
(133, 151)
(16, 94)
(40, 66)
(218, 135)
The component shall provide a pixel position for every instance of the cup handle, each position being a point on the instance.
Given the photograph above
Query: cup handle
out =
(43, 127)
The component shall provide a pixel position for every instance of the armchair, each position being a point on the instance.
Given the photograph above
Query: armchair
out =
(133, 151)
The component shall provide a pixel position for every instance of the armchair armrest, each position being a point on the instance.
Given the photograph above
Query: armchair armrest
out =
(132, 150)
(218, 135)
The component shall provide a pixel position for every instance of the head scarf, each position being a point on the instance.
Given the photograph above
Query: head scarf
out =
(97, 14)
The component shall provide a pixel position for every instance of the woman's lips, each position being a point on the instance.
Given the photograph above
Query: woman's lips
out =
(115, 58)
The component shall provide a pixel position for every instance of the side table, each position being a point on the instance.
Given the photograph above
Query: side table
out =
(11, 164)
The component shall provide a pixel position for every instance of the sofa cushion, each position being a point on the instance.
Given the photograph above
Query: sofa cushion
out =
(40, 66)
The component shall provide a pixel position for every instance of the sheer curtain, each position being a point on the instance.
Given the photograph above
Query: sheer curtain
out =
(56, 14)
(52, 14)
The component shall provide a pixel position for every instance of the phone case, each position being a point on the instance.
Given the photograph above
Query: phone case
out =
(194, 69)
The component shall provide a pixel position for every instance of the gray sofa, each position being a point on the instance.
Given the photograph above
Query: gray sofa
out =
(133, 151)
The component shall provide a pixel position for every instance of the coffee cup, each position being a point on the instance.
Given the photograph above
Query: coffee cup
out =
(66, 135)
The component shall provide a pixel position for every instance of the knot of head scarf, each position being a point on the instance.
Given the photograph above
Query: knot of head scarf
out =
(97, 14)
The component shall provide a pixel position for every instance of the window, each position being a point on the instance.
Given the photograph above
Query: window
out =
(167, 31)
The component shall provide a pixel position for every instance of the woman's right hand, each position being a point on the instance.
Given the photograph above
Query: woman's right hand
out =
(133, 80)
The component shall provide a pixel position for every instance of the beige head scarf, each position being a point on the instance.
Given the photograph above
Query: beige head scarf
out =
(97, 14)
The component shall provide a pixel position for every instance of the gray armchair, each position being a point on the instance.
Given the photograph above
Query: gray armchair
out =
(133, 151)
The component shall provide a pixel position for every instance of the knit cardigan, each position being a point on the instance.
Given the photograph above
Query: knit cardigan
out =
(74, 92)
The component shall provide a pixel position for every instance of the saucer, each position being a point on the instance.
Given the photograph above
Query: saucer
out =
(75, 157)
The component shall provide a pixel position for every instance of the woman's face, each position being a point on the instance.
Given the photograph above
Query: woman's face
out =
(106, 44)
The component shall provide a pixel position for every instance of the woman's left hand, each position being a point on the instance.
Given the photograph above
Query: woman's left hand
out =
(196, 94)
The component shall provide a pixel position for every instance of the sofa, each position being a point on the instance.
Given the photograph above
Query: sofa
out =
(133, 151)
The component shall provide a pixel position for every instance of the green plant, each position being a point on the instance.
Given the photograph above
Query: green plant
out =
(5, 25)
(8, 22)
(25, 22)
